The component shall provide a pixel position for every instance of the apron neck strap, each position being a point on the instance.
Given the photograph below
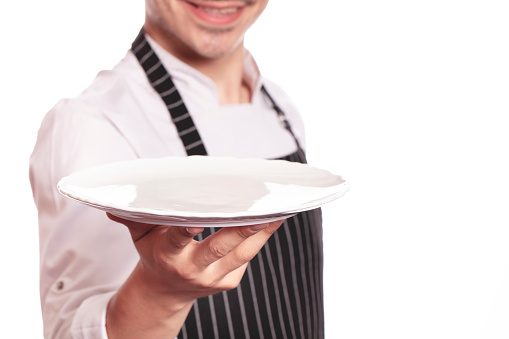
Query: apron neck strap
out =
(161, 81)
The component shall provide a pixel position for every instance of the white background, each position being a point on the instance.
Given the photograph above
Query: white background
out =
(406, 99)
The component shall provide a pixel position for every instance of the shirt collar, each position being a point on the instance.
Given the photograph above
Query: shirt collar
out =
(183, 71)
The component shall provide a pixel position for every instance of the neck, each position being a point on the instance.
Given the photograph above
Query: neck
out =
(226, 71)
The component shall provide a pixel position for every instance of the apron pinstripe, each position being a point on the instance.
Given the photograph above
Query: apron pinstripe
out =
(281, 293)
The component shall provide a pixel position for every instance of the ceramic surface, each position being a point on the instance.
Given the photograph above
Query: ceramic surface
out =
(204, 190)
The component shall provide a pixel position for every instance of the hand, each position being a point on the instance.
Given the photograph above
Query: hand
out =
(174, 263)
(174, 270)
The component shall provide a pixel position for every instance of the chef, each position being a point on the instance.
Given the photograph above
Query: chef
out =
(186, 87)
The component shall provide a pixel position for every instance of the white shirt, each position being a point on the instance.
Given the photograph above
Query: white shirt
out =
(85, 257)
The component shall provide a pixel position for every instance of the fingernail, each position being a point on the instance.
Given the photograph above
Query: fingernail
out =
(194, 230)
(259, 227)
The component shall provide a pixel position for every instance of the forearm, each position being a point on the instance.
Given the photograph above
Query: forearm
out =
(139, 310)
(174, 270)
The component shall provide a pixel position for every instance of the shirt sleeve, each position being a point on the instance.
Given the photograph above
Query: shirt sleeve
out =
(85, 257)
(89, 322)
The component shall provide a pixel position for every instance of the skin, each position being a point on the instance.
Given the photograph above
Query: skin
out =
(174, 270)
(215, 50)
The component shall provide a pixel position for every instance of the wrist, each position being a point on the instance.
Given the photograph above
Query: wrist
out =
(142, 309)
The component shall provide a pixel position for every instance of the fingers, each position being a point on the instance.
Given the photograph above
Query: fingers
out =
(223, 242)
(175, 262)
(241, 242)
(177, 238)
(248, 249)
(228, 249)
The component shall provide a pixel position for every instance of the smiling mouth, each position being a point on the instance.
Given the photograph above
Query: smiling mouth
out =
(217, 12)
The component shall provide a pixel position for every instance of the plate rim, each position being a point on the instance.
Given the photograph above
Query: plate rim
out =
(341, 189)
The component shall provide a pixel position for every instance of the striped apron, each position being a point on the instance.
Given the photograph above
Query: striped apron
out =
(281, 293)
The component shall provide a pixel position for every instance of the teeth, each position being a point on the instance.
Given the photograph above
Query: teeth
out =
(219, 11)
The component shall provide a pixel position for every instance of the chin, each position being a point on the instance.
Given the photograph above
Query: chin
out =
(215, 49)
(214, 54)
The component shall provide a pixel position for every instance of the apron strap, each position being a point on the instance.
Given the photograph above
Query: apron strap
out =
(282, 116)
(161, 81)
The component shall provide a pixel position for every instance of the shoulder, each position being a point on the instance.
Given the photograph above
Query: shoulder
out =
(75, 135)
(108, 92)
(96, 117)
(277, 92)
(282, 99)
(111, 89)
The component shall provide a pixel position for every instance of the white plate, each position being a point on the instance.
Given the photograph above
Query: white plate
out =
(203, 190)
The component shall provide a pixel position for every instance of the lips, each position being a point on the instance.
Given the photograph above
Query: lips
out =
(217, 13)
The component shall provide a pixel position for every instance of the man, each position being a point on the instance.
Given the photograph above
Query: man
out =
(187, 87)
